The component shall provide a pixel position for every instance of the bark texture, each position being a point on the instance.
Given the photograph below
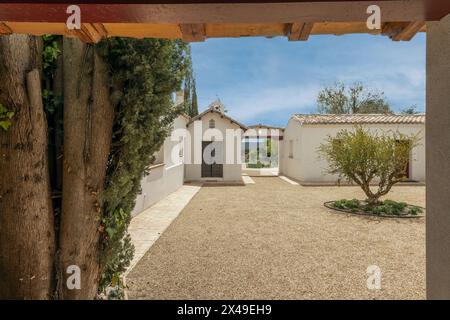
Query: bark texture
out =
(88, 121)
(26, 216)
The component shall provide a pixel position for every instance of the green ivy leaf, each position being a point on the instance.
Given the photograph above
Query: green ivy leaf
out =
(5, 124)
(110, 232)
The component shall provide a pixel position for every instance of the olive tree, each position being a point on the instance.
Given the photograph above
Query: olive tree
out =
(369, 158)
(349, 99)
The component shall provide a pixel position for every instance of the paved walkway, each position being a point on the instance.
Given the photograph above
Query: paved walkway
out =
(148, 226)
(289, 180)
(247, 179)
(275, 240)
(263, 172)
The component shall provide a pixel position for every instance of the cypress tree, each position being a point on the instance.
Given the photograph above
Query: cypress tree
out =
(194, 104)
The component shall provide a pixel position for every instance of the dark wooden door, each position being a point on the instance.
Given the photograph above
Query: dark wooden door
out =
(214, 170)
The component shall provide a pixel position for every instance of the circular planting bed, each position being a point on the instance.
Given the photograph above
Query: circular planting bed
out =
(385, 209)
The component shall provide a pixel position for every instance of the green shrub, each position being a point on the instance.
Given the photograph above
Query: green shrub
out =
(414, 211)
(353, 204)
(257, 165)
(386, 207)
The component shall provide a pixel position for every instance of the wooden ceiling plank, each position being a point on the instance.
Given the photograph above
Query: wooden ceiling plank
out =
(244, 30)
(222, 12)
(143, 30)
(193, 32)
(5, 29)
(172, 31)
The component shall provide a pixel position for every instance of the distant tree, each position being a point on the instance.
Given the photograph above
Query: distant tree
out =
(340, 99)
(190, 94)
(194, 103)
(187, 95)
(410, 110)
(364, 158)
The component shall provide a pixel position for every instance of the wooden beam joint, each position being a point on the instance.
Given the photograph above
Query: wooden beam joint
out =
(299, 31)
(5, 29)
(402, 31)
(90, 32)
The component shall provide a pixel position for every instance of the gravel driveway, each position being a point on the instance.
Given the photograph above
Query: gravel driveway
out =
(273, 240)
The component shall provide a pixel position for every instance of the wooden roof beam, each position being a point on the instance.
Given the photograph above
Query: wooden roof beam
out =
(90, 32)
(4, 29)
(299, 31)
(207, 11)
(193, 32)
(403, 31)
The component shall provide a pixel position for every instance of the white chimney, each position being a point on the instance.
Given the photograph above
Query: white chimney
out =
(179, 97)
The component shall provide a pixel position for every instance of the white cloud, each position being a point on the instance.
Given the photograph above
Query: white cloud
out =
(249, 104)
(270, 79)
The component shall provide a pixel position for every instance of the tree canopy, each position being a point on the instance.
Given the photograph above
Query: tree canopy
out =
(410, 110)
(190, 90)
(365, 157)
(342, 99)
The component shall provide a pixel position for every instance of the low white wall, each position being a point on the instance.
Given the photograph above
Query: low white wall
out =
(166, 177)
(291, 166)
(281, 151)
(160, 182)
(232, 172)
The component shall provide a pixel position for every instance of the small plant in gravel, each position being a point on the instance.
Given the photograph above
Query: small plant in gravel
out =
(386, 207)
(353, 204)
(414, 211)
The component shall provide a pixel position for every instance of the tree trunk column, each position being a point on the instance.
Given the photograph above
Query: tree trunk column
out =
(88, 122)
(438, 160)
(27, 239)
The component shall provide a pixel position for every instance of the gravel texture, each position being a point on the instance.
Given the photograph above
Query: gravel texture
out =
(273, 240)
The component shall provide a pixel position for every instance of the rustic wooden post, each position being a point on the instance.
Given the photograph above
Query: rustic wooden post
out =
(438, 160)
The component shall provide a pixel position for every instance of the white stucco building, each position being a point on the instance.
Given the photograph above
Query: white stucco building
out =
(181, 158)
(213, 129)
(208, 148)
(305, 133)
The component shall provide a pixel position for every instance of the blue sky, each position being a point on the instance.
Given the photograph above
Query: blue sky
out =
(266, 80)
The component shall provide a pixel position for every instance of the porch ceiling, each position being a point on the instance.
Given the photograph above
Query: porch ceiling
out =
(197, 20)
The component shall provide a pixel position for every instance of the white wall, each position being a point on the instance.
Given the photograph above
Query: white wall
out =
(291, 166)
(166, 178)
(231, 172)
(306, 166)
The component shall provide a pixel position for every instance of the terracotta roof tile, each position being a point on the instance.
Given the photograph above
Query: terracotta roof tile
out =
(360, 118)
